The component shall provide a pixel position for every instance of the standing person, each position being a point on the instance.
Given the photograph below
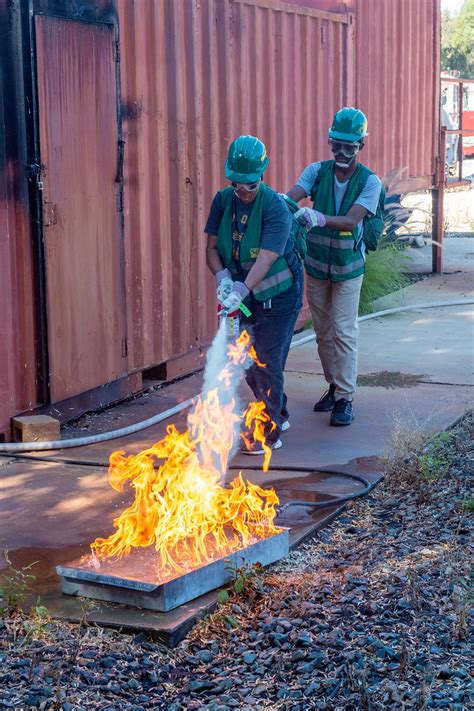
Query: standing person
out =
(251, 253)
(343, 192)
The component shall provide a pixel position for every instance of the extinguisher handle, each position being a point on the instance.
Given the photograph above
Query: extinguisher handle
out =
(225, 312)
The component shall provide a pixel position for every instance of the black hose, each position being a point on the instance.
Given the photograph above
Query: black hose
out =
(368, 486)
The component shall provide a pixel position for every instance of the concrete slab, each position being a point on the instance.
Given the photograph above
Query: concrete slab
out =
(438, 287)
(62, 530)
(311, 440)
(48, 504)
(46, 509)
(436, 345)
(456, 282)
(137, 580)
(171, 627)
(458, 256)
(166, 627)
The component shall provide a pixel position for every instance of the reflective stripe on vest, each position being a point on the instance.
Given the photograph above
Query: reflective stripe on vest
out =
(332, 254)
(339, 270)
(274, 281)
(331, 241)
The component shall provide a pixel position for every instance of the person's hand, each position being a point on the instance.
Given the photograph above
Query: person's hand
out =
(310, 218)
(224, 284)
(224, 289)
(236, 296)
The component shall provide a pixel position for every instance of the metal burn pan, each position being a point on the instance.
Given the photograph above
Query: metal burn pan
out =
(133, 580)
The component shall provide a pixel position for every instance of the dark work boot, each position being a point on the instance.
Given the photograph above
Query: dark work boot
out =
(326, 402)
(341, 413)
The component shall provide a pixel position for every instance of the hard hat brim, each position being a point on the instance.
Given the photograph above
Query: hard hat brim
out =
(351, 137)
(244, 177)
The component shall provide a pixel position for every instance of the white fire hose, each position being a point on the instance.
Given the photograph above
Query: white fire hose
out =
(17, 447)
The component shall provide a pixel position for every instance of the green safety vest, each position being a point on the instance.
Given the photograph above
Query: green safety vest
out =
(333, 254)
(279, 277)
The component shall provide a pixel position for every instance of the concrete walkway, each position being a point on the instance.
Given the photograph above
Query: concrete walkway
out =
(415, 373)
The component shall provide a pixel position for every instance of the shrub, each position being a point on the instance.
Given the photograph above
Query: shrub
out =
(385, 268)
(383, 274)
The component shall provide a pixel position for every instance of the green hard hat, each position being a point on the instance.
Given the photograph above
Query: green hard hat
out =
(246, 160)
(349, 124)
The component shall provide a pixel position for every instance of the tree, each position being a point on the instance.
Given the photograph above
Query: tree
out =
(457, 41)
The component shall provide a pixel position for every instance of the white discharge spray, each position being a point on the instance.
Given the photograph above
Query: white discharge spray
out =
(216, 361)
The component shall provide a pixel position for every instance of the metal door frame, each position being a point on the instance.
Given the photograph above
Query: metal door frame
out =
(72, 10)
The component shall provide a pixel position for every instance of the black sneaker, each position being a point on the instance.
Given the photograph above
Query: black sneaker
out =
(341, 413)
(256, 447)
(326, 402)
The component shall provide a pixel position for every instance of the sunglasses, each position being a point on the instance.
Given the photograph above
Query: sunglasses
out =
(249, 187)
(346, 148)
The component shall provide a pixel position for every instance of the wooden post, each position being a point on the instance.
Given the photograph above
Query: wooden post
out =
(460, 127)
(438, 206)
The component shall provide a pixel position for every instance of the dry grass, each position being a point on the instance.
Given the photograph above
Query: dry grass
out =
(418, 461)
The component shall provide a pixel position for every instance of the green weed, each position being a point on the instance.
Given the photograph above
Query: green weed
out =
(432, 460)
(431, 467)
(246, 585)
(383, 274)
(36, 624)
(15, 585)
(247, 580)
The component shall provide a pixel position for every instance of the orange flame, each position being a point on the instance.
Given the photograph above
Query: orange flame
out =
(180, 507)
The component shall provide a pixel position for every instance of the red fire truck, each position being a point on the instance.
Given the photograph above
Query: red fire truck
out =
(453, 109)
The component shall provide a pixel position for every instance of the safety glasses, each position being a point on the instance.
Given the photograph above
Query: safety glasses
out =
(249, 187)
(347, 148)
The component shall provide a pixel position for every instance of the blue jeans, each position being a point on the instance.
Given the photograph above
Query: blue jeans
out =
(271, 327)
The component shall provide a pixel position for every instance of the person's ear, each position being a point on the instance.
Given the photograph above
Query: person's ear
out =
(361, 145)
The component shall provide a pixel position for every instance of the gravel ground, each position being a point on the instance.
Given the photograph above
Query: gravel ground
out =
(373, 613)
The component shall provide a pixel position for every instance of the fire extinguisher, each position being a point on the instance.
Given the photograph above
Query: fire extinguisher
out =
(232, 319)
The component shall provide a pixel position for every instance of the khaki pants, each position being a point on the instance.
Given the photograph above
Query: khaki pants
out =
(334, 308)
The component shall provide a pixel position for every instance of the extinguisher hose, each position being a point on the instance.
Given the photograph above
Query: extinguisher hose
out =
(329, 503)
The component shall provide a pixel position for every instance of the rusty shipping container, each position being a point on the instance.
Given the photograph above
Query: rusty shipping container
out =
(398, 84)
(21, 386)
(135, 104)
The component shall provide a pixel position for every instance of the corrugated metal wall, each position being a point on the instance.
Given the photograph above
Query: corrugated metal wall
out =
(77, 101)
(7, 381)
(195, 74)
(397, 84)
(18, 333)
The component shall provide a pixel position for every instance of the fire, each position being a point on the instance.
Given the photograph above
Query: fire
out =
(180, 507)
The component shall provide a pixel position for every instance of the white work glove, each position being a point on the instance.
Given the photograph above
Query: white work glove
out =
(224, 284)
(236, 296)
(310, 218)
